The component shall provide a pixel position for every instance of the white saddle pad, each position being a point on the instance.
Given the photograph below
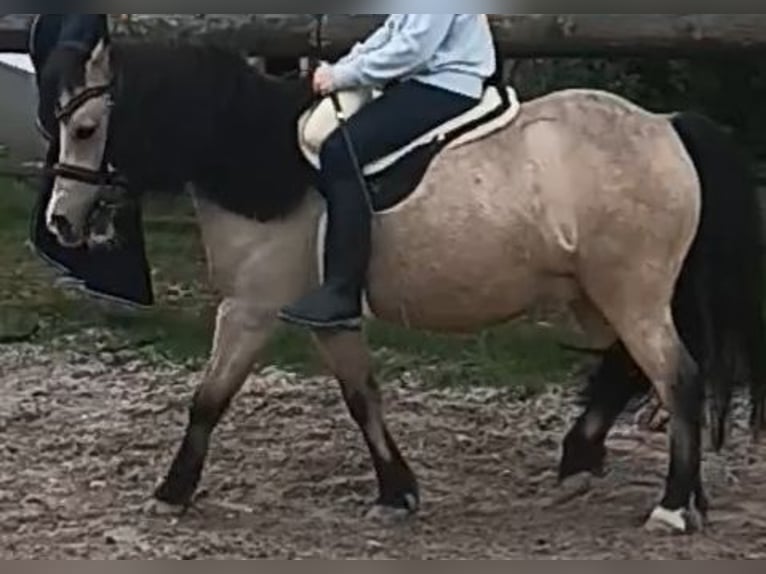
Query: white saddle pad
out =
(316, 124)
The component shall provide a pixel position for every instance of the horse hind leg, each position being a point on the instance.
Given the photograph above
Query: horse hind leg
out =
(241, 332)
(616, 380)
(609, 388)
(347, 355)
(653, 341)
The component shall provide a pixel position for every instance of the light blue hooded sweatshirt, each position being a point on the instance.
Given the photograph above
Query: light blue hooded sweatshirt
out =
(450, 51)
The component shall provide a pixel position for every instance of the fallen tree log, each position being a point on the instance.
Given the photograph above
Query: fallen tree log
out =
(521, 35)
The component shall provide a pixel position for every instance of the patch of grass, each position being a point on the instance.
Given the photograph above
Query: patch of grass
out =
(525, 355)
(522, 354)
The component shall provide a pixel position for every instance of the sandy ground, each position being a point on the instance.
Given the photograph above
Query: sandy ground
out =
(84, 438)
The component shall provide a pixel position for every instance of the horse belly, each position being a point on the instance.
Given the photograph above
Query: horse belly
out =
(457, 266)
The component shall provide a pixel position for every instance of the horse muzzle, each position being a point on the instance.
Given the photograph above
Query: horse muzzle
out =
(69, 209)
(64, 231)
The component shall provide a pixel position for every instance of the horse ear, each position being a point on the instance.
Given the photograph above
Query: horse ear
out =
(98, 70)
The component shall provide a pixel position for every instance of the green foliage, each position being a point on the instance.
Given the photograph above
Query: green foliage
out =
(730, 89)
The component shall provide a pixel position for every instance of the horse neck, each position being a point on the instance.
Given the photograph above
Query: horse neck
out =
(203, 116)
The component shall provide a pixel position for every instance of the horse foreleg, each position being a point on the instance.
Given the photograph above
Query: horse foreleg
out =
(241, 333)
(347, 355)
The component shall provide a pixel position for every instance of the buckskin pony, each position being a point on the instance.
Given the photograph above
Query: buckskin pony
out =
(645, 224)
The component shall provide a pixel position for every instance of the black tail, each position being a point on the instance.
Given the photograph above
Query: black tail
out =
(718, 304)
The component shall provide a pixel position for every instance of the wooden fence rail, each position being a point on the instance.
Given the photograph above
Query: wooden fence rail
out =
(523, 35)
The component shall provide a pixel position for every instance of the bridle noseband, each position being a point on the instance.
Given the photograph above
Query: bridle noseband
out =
(104, 177)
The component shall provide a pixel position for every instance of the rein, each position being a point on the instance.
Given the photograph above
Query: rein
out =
(340, 115)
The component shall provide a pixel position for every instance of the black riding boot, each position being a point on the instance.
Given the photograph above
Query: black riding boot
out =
(337, 304)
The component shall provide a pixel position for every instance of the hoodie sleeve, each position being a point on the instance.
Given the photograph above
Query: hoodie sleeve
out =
(405, 51)
(373, 42)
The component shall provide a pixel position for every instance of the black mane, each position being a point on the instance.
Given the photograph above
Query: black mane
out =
(201, 114)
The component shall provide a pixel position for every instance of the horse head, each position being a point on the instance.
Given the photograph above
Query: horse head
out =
(80, 84)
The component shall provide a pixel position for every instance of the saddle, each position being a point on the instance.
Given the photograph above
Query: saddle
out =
(393, 178)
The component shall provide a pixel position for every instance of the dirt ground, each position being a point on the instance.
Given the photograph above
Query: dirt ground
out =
(85, 437)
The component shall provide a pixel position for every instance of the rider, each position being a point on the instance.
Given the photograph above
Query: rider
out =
(432, 67)
(120, 273)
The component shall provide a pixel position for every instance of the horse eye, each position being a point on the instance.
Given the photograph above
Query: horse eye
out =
(85, 132)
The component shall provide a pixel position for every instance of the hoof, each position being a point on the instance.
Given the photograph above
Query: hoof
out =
(581, 456)
(572, 488)
(391, 514)
(682, 521)
(174, 497)
(159, 509)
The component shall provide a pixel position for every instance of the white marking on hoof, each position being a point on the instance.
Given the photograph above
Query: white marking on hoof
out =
(666, 521)
(388, 516)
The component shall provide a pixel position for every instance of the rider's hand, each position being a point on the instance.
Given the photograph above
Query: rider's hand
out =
(324, 80)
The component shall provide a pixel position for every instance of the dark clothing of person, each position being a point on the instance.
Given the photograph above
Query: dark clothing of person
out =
(404, 112)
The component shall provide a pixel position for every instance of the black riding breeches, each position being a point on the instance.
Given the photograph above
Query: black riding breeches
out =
(399, 116)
